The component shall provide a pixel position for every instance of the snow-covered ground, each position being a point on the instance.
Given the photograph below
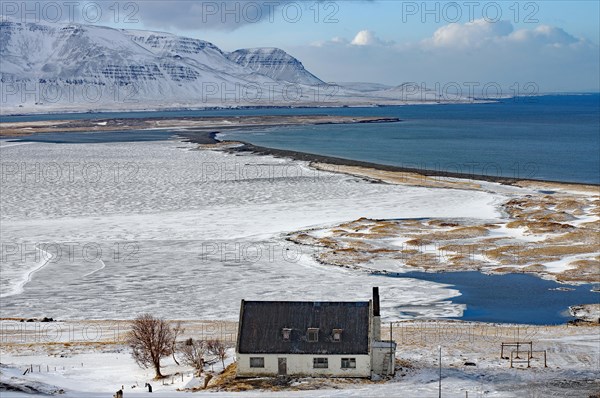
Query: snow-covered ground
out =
(109, 231)
(164, 228)
(471, 364)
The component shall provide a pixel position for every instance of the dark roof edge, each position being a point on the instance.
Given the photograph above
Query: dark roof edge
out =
(306, 302)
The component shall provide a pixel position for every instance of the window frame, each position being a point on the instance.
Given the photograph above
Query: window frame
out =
(286, 334)
(336, 332)
(260, 359)
(316, 334)
(348, 361)
(320, 363)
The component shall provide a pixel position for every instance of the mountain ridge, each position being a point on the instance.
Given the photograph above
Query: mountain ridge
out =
(74, 67)
(156, 65)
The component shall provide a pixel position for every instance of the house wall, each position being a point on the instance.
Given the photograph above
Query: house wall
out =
(302, 365)
(384, 358)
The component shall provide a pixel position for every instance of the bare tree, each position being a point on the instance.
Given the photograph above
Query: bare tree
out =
(150, 339)
(177, 330)
(218, 349)
(193, 352)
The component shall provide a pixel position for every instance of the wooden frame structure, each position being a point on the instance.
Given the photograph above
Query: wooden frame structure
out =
(517, 344)
(529, 358)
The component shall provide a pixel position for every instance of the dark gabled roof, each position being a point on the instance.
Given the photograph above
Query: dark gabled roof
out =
(262, 323)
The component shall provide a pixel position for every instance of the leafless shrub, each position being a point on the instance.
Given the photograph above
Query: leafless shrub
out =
(193, 353)
(218, 349)
(177, 330)
(150, 339)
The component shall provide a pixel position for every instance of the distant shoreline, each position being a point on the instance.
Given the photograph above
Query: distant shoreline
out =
(22, 112)
(203, 131)
(209, 138)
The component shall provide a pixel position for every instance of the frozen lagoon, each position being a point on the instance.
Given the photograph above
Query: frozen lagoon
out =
(162, 227)
(113, 229)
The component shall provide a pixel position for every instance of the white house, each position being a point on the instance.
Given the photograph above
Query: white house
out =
(301, 338)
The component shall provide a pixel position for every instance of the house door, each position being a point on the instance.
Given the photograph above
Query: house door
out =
(282, 366)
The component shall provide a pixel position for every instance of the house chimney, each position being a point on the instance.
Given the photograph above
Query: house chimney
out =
(376, 301)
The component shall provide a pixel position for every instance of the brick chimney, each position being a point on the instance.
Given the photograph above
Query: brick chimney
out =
(376, 319)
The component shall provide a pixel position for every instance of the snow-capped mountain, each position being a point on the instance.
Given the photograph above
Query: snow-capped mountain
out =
(48, 67)
(274, 63)
(72, 66)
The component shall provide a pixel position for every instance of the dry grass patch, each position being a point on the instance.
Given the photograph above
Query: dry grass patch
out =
(227, 381)
(462, 248)
(534, 268)
(417, 242)
(580, 236)
(457, 233)
(595, 225)
(384, 230)
(304, 239)
(508, 254)
(355, 235)
(424, 260)
(357, 224)
(584, 271)
(442, 223)
(344, 257)
(540, 227)
(554, 251)
(329, 243)
(556, 217)
(570, 204)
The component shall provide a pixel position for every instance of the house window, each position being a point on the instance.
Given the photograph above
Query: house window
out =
(313, 335)
(348, 363)
(320, 363)
(286, 333)
(337, 335)
(257, 362)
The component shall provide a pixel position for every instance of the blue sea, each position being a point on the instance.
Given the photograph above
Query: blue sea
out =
(552, 137)
(548, 138)
(511, 298)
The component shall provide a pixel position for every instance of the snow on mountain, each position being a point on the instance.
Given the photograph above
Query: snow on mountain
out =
(50, 67)
(363, 86)
(418, 92)
(274, 63)
(70, 66)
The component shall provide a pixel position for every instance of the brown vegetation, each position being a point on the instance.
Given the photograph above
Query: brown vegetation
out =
(553, 221)
(150, 340)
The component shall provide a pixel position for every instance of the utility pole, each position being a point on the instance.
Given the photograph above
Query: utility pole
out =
(440, 362)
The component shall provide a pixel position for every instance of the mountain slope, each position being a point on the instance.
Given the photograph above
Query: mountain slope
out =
(71, 67)
(67, 65)
(274, 63)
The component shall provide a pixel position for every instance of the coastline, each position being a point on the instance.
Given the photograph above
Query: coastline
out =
(176, 124)
(17, 111)
(206, 129)
(332, 163)
(534, 210)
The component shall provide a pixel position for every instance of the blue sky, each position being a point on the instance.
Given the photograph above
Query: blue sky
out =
(395, 20)
(554, 44)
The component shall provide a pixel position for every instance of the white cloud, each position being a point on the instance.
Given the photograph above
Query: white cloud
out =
(335, 41)
(364, 38)
(480, 33)
(545, 35)
(368, 38)
(479, 51)
(471, 34)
